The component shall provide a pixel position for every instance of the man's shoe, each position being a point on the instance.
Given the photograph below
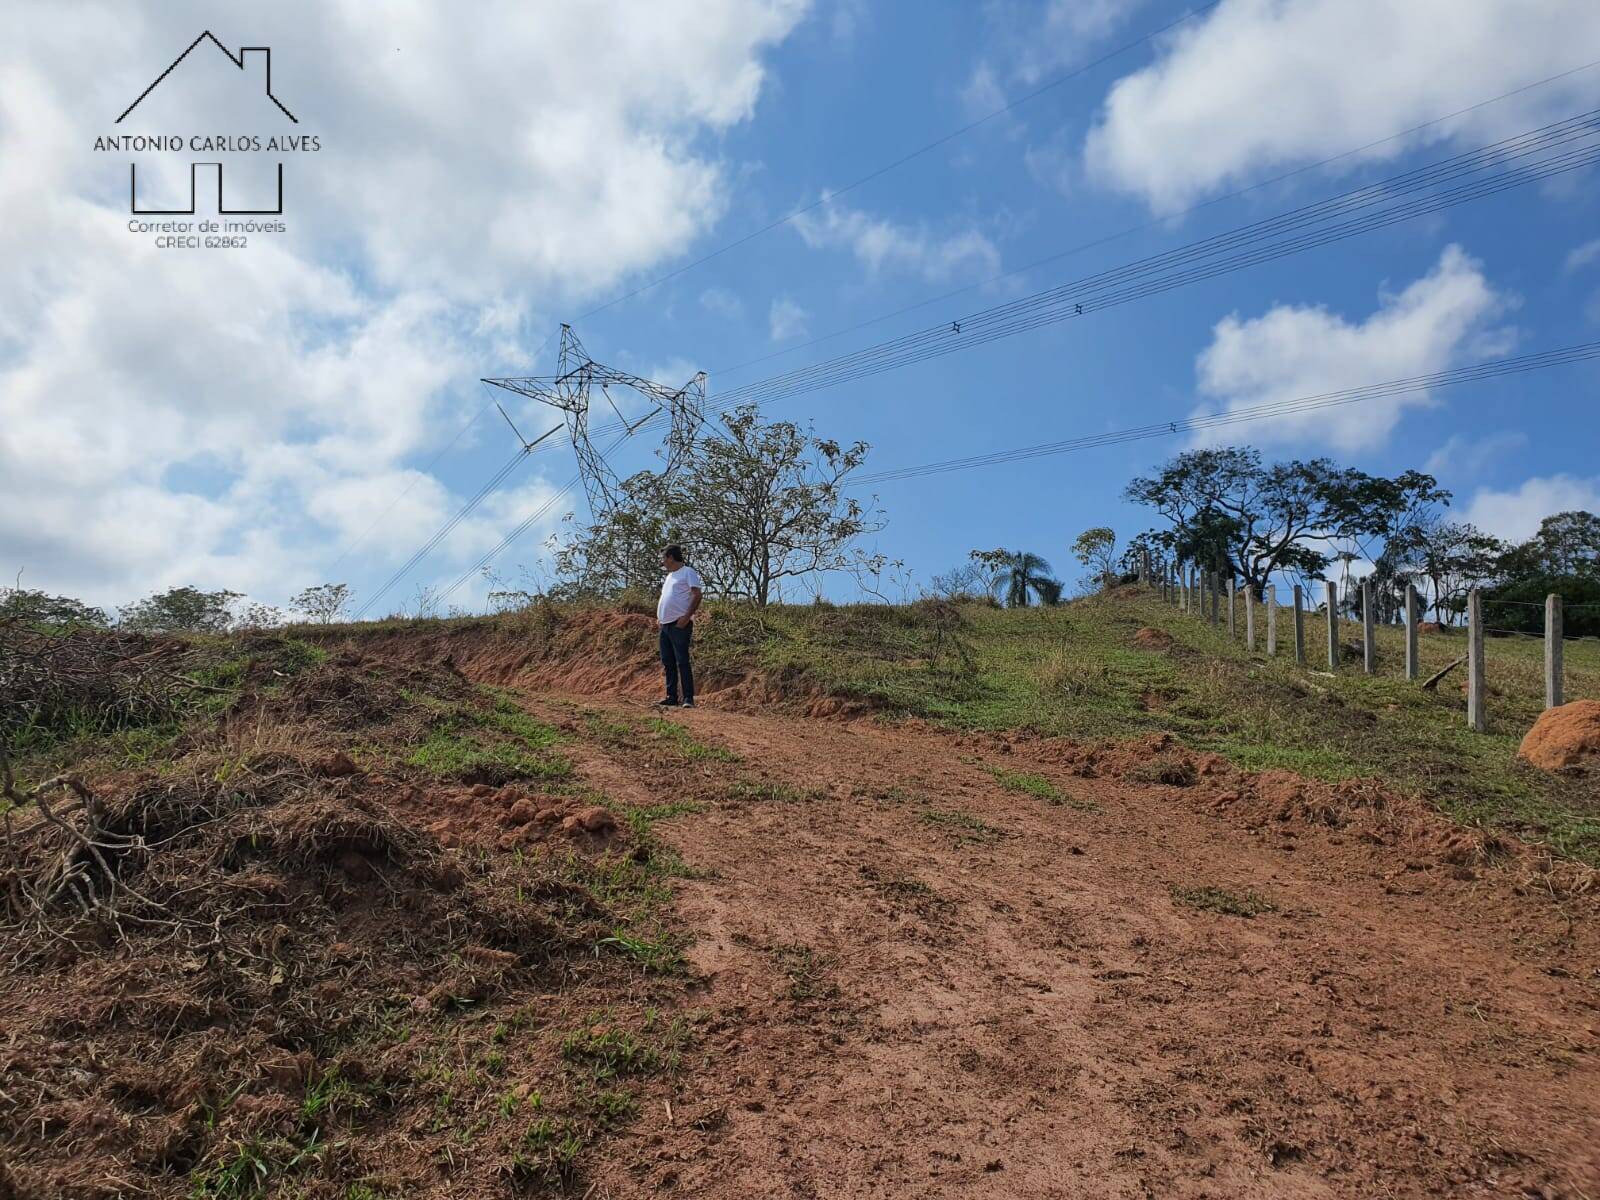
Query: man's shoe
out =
(666, 704)
(687, 704)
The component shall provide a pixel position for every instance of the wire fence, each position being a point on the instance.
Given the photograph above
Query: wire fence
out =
(1279, 631)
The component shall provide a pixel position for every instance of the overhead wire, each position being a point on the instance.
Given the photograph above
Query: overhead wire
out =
(1250, 245)
(1522, 364)
(926, 148)
(1156, 222)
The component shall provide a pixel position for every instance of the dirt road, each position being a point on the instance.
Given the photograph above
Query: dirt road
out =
(922, 980)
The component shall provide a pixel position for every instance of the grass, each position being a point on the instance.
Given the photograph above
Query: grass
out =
(494, 742)
(252, 1167)
(1217, 900)
(754, 790)
(682, 744)
(1074, 671)
(807, 972)
(963, 825)
(1039, 787)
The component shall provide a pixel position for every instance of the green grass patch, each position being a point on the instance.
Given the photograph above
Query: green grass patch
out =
(682, 744)
(1218, 900)
(494, 742)
(963, 825)
(253, 1167)
(749, 789)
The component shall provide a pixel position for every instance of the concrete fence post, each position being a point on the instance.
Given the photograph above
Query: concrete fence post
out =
(1144, 566)
(1299, 626)
(1231, 606)
(1552, 651)
(1272, 620)
(1216, 598)
(1369, 630)
(1196, 604)
(1477, 719)
(1333, 626)
(1250, 618)
(1413, 668)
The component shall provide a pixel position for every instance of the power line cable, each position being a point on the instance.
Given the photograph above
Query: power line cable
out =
(444, 530)
(432, 462)
(1252, 245)
(1123, 284)
(1155, 222)
(1564, 356)
(901, 161)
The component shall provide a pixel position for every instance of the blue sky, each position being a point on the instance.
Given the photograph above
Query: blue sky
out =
(240, 420)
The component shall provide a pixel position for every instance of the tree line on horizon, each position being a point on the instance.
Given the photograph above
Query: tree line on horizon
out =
(764, 503)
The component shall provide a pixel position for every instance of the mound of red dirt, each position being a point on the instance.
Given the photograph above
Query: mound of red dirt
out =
(1565, 736)
(595, 651)
(1150, 638)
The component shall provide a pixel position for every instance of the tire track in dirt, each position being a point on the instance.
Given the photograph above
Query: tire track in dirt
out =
(903, 1003)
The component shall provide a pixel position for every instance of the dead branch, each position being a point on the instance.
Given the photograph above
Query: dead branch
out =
(1432, 681)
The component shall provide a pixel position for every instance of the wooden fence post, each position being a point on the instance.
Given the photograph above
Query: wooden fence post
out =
(1413, 669)
(1333, 626)
(1476, 718)
(1299, 626)
(1369, 631)
(1250, 618)
(1272, 620)
(1552, 651)
(1231, 606)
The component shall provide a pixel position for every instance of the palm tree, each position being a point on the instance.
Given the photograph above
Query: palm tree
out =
(1022, 573)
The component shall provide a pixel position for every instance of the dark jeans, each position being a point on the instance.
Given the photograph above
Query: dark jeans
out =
(675, 660)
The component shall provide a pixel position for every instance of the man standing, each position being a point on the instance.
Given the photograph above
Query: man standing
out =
(680, 597)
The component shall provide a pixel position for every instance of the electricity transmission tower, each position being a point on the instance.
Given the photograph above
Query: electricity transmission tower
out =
(570, 390)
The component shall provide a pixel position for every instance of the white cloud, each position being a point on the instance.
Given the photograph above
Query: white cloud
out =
(1464, 455)
(1295, 351)
(1515, 514)
(1037, 42)
(883, 246)
(850, 17)
(1583, 255)
(786, 319)
(1262, 84)
(236, 418)
(722, 303)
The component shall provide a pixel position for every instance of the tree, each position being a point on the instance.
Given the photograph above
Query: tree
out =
(1230, 511)
(180, 610)
(756, 505)
(622, 552)
(1452, 558)
(962, 581)
(1568, 543)
(39, 608)
(1017, 575)
(325, 603)
(1096, 549)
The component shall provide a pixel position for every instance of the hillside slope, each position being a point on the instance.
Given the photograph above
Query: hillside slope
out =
(445, 909)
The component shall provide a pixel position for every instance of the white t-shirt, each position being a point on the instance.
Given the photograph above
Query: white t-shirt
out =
(675, 598)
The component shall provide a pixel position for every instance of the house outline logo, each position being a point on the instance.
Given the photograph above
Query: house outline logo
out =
(236, 59)
(241, 61)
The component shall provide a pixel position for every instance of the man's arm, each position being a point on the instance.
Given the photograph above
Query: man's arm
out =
(694, 606)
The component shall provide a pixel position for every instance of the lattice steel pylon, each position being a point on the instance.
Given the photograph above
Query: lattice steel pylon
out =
(570, 390)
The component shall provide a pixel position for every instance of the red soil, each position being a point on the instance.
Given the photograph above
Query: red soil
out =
(916, 983)
(1565, 736)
